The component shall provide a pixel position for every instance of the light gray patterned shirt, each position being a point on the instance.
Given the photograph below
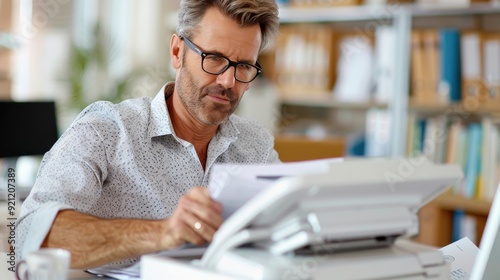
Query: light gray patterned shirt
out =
(125, 161)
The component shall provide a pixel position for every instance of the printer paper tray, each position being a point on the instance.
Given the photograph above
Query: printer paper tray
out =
(406, 260)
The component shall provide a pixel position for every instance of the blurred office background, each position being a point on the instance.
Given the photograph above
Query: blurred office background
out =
(76, 52)
(346, 78)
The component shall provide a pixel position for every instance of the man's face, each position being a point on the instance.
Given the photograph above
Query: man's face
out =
(211, 99)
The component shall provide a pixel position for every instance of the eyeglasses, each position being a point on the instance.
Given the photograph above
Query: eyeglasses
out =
(217, 64)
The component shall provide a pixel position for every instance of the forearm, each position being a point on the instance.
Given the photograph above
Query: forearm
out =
(93, 241)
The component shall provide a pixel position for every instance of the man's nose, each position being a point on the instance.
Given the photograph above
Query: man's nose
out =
(226, 79)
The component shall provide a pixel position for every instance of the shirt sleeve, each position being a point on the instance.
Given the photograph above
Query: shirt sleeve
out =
(273, 157)
(70, 177)
(41, 221)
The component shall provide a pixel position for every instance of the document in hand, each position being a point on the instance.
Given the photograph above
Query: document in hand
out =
(235, 184)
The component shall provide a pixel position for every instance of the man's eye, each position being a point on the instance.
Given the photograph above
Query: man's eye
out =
(245, 67)
(215, 58)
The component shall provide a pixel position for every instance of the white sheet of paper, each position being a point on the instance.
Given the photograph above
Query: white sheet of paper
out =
(121, 273)
(252, 171)
(233, 185)
(461, 256)
(238, 192)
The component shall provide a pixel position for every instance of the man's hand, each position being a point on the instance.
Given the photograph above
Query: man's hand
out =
(195, 220)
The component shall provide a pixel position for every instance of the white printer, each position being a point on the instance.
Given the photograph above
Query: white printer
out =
(348, 223)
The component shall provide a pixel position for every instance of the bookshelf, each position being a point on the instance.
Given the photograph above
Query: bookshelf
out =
(437, 217)
(360, 16)
(323, 102)
(473, 206)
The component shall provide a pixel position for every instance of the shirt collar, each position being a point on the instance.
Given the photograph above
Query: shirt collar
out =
(228, 129)
(159, 120)
(160, 123)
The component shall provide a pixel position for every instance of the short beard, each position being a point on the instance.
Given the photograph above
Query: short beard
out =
(192, 96)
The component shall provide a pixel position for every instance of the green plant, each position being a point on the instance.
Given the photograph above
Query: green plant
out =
(97, 58)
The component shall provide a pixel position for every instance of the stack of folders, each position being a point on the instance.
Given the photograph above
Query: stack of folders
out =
(449, 66)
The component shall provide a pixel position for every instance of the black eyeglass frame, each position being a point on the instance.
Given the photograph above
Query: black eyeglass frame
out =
(203, 55)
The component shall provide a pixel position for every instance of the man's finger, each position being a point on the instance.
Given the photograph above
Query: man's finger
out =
(202, 196)
(207, 215)
(192, 236)
(202, 229)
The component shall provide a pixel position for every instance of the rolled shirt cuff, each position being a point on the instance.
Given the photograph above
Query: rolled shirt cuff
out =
(41, 224)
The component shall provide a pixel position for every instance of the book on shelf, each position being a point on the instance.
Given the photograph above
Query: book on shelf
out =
(492, 67)
(354, 69)
(456, 143)
(305, 60)
(417, 67)
(433, 146)
(481, 66)
(425, 69)
(385, 62)
(463, 225)
(378, 123)
(430, 45)
(410, 134)
(450, 82)
(472, 167)
(461, 154)
(471, 60)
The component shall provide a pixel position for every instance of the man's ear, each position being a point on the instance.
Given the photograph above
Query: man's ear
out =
(176, 51)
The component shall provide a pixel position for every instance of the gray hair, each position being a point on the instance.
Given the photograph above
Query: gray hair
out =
(244, 12)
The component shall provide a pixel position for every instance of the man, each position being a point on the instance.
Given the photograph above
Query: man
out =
(127, 179)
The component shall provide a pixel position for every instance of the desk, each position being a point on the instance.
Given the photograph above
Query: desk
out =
(73, 274)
